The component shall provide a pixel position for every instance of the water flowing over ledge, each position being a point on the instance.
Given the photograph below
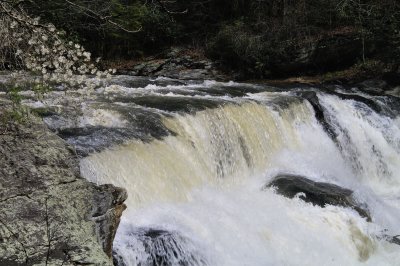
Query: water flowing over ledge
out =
(195, 158)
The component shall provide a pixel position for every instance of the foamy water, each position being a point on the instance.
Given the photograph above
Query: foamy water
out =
(196, 197)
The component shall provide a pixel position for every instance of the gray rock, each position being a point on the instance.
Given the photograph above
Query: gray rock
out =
(373, 86)
(394, 91)
(317, 193)
(179, 66)
(394, 239)
(49, 215)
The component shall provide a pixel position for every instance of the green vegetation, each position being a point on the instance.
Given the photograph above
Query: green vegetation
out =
(258, 38)
(41, 89)
(17, 113)
(111, 28)
(282, 33)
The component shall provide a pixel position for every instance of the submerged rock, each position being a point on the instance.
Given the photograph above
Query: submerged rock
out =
(117, 259)
(49, 214)
(160, 247)
(317, 193)
(394, 239)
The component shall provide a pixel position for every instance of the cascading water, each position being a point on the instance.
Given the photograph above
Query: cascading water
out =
(196, 180)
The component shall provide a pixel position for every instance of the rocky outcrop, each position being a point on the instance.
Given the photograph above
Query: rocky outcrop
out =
(49, 214)
(317, 193)
(177, 65)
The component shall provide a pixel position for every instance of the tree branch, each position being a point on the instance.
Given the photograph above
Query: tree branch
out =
(102, 18)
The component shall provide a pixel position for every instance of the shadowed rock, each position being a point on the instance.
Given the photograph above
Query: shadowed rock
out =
(175, 104)
(140, 124)
(317, 193)
(394, 239)
(312, 98)
(162, 248)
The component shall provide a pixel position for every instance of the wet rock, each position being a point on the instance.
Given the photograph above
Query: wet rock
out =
(161, 247)
(48, 213)
(95, 139)
(373, 86)
(139, 123)
(312, 98)
(317, 193)
(176, 104)
(118, 260)
(107, 214)
(394, 240)
(389, 238)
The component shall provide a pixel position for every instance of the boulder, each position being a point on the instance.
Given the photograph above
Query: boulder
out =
(49, 214)
(317, 193)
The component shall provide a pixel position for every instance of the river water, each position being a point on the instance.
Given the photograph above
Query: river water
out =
(195, 158)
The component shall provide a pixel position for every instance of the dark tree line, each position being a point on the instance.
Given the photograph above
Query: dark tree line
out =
(240, 32)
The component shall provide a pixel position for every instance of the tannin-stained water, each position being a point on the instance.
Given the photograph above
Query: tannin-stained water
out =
(197, 196)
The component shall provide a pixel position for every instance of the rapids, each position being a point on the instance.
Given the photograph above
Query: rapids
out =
(195, 157)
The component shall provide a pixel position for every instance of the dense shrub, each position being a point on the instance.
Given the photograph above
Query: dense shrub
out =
(274, 32)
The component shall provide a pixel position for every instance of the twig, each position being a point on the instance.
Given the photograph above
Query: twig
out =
(102, 18)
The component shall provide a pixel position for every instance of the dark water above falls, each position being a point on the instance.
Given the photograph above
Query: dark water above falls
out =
(195, 158)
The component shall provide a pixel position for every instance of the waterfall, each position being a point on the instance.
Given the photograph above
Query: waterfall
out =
(196, 194)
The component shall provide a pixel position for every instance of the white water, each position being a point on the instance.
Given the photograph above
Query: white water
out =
(205, 186)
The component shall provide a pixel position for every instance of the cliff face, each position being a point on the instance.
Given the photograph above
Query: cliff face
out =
(49, 214)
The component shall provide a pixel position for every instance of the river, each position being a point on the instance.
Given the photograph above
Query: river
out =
(196, 156)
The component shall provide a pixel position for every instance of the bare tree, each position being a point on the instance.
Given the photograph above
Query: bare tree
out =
(361, 12)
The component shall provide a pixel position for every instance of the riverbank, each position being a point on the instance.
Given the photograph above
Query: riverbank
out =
(61, 217)
(193, 64)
